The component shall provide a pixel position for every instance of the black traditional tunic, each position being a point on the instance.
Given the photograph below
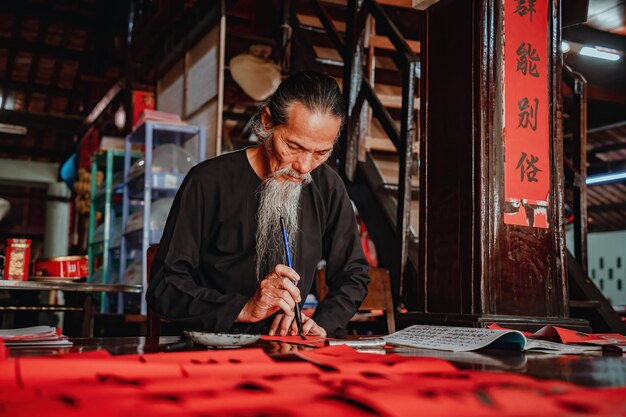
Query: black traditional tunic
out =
(204, 271)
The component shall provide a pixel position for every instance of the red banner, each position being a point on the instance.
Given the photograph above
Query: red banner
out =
(526, 112)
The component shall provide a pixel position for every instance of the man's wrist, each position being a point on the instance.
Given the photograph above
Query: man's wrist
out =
(243, 316)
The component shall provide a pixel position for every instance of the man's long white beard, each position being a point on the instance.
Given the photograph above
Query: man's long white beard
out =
(278, 198)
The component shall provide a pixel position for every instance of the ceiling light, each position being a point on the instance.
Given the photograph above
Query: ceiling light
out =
(565, 47)
(604, 178)
(599, 52)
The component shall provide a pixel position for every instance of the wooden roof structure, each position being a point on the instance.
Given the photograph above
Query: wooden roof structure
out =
(57, 59)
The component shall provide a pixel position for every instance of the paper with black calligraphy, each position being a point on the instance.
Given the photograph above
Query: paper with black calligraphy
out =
(463, 339)
(457, 339)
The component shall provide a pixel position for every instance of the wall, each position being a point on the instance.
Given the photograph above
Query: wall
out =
(607, 263)
(192, 88)
(57, 212)
(28, 172)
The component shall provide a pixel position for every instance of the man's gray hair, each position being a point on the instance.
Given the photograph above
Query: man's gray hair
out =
(318, 92)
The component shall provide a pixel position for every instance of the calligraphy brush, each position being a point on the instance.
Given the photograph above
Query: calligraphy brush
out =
(289, 264)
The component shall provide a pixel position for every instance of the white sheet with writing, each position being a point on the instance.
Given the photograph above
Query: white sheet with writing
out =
(456, 339)
(34, 331)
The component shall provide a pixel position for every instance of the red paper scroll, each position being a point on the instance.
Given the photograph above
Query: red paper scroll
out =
(526, 112)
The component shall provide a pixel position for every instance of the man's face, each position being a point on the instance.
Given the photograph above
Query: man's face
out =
(303, 143)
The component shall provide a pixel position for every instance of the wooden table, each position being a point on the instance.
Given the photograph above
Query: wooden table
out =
(72, 286)
(83, 303)
(605, 370)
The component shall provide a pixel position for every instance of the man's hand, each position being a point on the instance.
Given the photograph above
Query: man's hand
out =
(276, 292)
(284, 325)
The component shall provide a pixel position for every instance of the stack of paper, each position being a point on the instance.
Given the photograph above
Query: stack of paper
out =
(34, 336)
(463, 339)
(158, 116)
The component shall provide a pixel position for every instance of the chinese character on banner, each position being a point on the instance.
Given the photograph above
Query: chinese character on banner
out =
(525, 7)
(526, 113)
(527, 59)
(527, 167)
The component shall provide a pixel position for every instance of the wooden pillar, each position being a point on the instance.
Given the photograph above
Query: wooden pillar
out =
(475, 267)
(578, 84)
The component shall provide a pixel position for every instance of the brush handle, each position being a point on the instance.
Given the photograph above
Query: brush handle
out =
(290, 265)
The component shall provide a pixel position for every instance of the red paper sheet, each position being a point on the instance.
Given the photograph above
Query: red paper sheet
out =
(224, 356)
(194, 385)
(495, 326)
(347, 359)
(91, 354)
(8, 373)
(596, 402)
(261, 395)
(41, 371)
(567, 336)
(74, 406)
(89, 391)
(253, 370)
(367, 381)
(376, 385)
(311, 341)
(328, 406)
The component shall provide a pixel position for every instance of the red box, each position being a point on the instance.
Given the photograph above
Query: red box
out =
(17, 259)
(142, 100)
(71, 267)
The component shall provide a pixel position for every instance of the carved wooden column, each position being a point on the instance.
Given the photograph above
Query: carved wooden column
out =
(491, 250)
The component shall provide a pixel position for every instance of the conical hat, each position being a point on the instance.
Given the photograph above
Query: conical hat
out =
(257, 77)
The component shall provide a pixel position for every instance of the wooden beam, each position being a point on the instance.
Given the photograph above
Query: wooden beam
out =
(313, 22)
(383, 42)
(34, 63)
(606, 167)
(409, 4)
(578, 84)
(37, 88)
(595, 93)
(41, 48)
(47, 11)
(104, 102)
(56, 72)
(61, 124)
(603, 208)
(608, 148)
(8, 71)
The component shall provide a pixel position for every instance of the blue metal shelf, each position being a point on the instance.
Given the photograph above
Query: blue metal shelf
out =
(163, 184)
(147, 188)
(109, 161)
(164, 133)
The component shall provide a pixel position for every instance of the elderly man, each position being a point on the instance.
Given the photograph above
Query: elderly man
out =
(221, 262)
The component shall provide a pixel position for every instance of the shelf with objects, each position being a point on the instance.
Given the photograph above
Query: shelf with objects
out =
(149, 187)
(107, 177)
